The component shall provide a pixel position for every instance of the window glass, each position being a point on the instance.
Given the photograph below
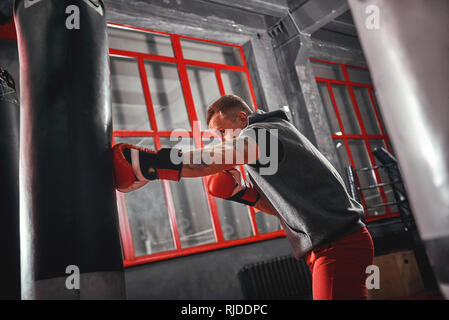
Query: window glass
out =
(167, 96)
(204, 86)
(192, 212)
(359, 75)
(366, 177)
(129, 110)
(267, 223)
(329, 108)
(380, 111)
(357, 141)
(327, 70)
(235, 218)
(343, 157)
(366, 110)
(384, 174)
(346, 109)
(210, 52)
(235, 82)
(147, 212)
(139, 41)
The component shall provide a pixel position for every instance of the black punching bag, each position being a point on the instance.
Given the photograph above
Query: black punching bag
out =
(9, 188)
(68, 213)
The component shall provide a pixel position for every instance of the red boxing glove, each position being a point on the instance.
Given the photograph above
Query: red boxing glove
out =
(230, 185)
(135, 166)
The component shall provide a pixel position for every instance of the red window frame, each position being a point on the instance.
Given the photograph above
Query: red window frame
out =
(128, 249)
(349, 84)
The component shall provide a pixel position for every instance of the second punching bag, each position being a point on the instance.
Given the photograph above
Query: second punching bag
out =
(70, 246)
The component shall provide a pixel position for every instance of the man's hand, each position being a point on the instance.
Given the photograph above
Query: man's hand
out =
(230, 185)
(135, 166)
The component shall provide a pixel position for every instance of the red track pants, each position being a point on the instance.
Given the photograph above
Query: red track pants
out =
(339, 268)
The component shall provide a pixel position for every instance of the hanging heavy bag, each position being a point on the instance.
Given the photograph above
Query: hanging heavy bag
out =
(69, 214)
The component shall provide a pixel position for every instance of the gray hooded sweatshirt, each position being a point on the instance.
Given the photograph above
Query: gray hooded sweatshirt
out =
(306, 191)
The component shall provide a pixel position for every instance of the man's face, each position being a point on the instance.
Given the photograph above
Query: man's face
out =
(228, 126)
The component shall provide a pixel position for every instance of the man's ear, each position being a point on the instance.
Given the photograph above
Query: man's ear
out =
(243, 117)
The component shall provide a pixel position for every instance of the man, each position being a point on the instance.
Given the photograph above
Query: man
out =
(321, 220)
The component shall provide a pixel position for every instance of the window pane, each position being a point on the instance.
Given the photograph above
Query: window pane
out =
(205, 91)
(359, 75)
(327, 70)
(235, 82)
(139, 41)
(167, 96)
(192, 211)
(380, 111)
(346, 109)
(267, 223)
(235, 218)
(343, 157)
(147, 212)
(209, 52)
(366, 178)
(328, 106)
(366, 110)
(384, 175)
(129, 110)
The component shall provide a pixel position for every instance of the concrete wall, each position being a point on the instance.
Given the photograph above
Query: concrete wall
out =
(209, 275)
